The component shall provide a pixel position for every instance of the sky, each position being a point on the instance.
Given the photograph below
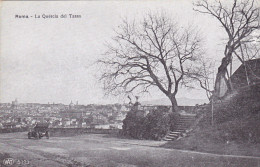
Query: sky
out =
(53, 60)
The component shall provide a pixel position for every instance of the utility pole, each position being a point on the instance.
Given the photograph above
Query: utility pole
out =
(244, 63)
(230, 73)
(212, 99)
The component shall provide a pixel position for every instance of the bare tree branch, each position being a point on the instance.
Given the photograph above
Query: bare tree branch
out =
(240, 21)
(152, 53)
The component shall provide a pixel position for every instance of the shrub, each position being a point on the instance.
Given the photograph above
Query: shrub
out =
(153, 126)
(132, 125)
(157, 124)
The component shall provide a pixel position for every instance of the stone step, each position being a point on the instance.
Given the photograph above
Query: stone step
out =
(180, 123)
(191, 115)
(185, 116)
(181, 128)
(184, 123)
(176, 126)
(174, 132)
(171, 137)
(187, 119)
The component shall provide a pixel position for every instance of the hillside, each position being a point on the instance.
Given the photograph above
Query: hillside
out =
(236, 128)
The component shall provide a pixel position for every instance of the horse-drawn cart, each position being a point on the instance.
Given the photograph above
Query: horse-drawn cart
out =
(40, 130)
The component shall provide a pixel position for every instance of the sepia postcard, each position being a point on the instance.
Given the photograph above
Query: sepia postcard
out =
(130, 83)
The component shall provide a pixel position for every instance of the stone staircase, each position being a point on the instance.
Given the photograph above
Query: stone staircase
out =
(183, 125)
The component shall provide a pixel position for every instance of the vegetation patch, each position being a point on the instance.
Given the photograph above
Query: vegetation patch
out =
(154, 125)
(235, 129)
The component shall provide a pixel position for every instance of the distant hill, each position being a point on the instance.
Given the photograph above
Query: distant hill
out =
(181, 101)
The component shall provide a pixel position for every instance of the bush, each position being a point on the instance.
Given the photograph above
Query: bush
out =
(132, 125)
(153, 126)
(157, 124)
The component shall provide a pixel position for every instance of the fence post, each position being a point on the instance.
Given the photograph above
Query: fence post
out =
(212, 112)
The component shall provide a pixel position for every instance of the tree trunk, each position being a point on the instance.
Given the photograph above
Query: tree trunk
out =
(174, 103)
(230, 74)
(221, 75)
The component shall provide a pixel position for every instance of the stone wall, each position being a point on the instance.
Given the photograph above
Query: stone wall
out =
(55, 132)
(12, 130)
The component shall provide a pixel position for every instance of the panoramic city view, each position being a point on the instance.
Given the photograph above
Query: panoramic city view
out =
(130, 83)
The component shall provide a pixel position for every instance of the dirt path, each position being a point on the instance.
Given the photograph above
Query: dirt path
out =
(35, 156)
(97, 150)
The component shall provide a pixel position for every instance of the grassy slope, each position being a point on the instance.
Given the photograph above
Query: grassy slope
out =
(236, 127)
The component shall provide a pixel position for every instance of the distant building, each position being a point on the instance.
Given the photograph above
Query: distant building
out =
(9, 125)
(71, 105)
(15, 103)
(72, 113)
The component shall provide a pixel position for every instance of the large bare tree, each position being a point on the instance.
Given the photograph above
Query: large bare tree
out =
(152, 52)
(240, 20)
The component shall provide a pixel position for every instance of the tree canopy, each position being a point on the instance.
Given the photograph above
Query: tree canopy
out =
(152, 52)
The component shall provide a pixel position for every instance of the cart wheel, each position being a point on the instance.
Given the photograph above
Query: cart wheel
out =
(47, 135)
(29, 136)
(40, 135)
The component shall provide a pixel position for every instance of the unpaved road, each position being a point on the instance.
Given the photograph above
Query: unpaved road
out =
(100, 151)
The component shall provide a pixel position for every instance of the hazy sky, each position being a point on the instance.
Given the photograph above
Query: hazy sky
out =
(51, 60)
